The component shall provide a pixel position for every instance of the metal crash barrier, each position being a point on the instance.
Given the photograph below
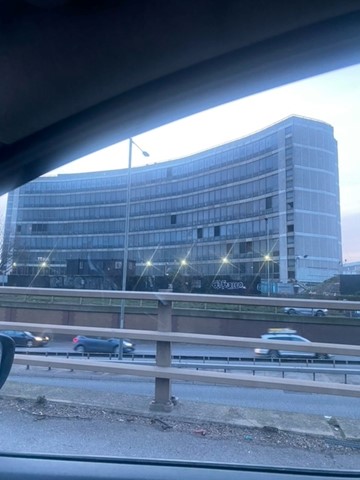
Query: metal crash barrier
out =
(163, 372)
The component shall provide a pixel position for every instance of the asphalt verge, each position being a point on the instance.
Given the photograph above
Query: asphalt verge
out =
(339, 429)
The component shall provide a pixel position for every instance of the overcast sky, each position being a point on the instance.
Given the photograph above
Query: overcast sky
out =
(333, 98)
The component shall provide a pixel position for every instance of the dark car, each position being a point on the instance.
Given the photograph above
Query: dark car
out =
(26, 339)
(101, 345)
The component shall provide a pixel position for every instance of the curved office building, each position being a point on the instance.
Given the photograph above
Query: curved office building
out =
(262, 207)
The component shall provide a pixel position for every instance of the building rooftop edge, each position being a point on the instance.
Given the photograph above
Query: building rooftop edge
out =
(193, 155)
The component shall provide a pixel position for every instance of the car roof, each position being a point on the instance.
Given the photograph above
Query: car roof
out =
(277, 336)
(281, 331)
(81, 75)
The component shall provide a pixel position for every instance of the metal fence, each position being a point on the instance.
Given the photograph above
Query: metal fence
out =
(163, 372)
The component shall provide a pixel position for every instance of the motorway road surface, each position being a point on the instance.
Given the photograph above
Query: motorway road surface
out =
(148, 348)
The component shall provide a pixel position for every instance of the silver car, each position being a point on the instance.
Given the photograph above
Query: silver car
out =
(311, 312)
(287, 335)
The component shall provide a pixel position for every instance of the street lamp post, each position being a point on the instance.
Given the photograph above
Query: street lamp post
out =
(126, 237)
(150, 282)
(267, 257)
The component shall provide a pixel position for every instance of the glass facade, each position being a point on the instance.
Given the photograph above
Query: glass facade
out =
(273, 195)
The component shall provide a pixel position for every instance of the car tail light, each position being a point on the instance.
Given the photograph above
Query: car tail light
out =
(75, 340)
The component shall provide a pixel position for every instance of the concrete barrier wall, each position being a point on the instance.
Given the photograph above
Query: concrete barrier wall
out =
(325, 329)
(322, 329)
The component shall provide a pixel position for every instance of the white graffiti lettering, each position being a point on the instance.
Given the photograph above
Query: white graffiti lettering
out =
(225, 285)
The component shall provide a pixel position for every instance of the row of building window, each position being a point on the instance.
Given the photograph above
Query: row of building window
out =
(117, 227)
(150, 222)
(63, 222)
(263, 186)
(153, 192)
(171, 261)
(253, 269)
(230, 231)
(256, 227)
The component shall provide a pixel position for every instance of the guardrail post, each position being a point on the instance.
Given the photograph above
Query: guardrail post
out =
(163, 401)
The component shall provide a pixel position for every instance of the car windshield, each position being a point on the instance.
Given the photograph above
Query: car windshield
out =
(212, 225)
